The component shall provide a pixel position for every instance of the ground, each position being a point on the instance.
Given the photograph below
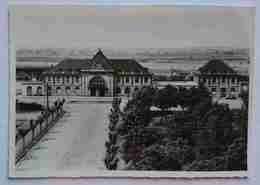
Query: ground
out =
(76, 142)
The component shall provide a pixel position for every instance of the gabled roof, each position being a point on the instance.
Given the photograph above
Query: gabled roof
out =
(216, 66)
(69, 65)
(127, 66)
(99, 62)
(73, 64)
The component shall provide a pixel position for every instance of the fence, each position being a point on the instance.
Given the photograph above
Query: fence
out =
(26, 137)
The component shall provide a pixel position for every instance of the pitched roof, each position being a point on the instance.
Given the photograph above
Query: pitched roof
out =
(216, 66)
(99, 61)
(73, 64)
(128, 66)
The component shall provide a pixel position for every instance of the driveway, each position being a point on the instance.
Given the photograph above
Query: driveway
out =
(76, 142)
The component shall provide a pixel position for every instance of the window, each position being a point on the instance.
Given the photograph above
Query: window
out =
(68, 79)
(223, 79)
(127, 90)
(127, 80)
(118, 90)
(77, 88)
(67, 89)
(29, 91)
(233, 89)
(39, 91)
(223, 92)
(233, 80)
(58, 79)
(213, 89)
(146, 79)
(77, 79)
(136, 79)
(58, 90)
(49, 90)
(214, 80)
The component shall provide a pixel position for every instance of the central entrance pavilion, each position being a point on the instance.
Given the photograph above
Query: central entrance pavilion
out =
(98, 76)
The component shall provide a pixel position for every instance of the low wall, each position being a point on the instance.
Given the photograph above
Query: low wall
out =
(43, 101)
(26, 138)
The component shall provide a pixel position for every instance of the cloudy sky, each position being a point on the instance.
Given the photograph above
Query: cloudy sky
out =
(130, 27)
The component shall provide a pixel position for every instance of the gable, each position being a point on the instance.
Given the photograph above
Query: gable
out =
(216, 66)
(99, 62)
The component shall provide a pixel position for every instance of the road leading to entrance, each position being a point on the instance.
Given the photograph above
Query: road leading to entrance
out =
(76, 142)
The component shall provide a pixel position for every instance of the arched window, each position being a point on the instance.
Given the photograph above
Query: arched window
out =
(77, 88)
(97, 86)
(29, 91)
(97, 82)
(136, 89)
(39, 91)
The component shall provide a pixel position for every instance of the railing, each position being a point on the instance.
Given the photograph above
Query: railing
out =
(27, 137)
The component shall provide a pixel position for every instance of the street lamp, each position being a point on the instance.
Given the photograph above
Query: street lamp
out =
(47, 96)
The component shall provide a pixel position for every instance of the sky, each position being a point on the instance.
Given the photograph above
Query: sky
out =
(122, 27)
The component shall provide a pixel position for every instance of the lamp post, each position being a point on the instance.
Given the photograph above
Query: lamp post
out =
(47, 96)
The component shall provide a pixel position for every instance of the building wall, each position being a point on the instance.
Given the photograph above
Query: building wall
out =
(64, 84)
(30, 88)
(128, 84)
(227, 85)
(78, 85)
(108, 81)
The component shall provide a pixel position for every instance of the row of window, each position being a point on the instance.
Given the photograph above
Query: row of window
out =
(68, 79)
(135, 79)
(29, 91)
(127, 90)
(214, 89)
(64, 79)
(68, 89)
(222, 79)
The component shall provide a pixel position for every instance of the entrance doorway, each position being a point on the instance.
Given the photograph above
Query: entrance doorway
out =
(97, 86)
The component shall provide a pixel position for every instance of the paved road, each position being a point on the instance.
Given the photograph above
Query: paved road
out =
(76, 142)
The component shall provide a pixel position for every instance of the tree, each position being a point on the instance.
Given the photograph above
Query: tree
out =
(237, 155)
(169, 155)
(111, 145)
(167, 97)
(245, 98)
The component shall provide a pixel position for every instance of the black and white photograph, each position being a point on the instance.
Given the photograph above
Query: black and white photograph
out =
(130, 91)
